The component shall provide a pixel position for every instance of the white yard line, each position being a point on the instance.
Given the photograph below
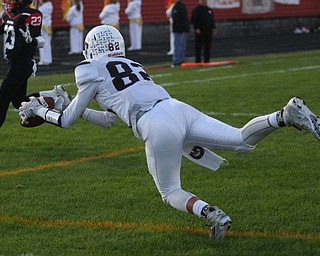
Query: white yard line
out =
(212, 79)
(231, 114)
(226, 78)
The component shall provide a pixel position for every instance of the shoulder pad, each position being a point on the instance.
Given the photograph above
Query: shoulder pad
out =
(86, 72)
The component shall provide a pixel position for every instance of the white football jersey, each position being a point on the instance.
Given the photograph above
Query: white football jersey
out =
(118, 84)
(133, 9)
(110, 14)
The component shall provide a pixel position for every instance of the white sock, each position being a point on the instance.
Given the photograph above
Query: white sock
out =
(273, 120)
(198, 206)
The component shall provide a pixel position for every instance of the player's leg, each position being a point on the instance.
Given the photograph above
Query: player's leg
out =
(170, 52)
(197, 47)
(177, 54)
(132, 34)
(80, 41)
(214, 134)
(207, 38)
(295, 114)
(5, 99)
(23, 71)
(45, 53)
(139, 36)
(73, 38)
(163, 136)
(260, 127)
(163, 130)
(184, 46)
(13, 88)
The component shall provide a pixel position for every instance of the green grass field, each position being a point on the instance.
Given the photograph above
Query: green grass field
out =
(87, 190)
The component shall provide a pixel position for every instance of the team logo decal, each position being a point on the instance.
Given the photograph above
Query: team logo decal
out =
(197, 152)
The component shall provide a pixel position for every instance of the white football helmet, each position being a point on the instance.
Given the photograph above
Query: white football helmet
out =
(103, 41)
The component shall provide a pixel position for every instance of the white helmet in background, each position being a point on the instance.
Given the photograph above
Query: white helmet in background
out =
(103, 41)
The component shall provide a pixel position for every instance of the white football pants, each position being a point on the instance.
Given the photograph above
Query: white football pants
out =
(171, 124)
(135, 31)
(76, 40)
(46, 52)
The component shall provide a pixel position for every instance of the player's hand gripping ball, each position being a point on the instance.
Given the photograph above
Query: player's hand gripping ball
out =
(34, 121)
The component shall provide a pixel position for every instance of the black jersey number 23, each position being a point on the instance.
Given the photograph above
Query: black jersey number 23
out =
(125, 75)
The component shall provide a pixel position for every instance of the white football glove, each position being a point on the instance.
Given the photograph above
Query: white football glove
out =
(40, 41)
(29, 109)
(63, 100)
(28, 38)
(26, 34)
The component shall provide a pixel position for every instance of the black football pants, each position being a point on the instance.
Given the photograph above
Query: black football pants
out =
(14, 86)
(203, 42)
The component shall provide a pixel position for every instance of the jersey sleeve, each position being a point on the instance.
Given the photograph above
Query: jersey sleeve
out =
(102, 118)
(34, 20)
(86, 72)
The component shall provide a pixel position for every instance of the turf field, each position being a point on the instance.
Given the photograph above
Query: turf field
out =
(87, 191)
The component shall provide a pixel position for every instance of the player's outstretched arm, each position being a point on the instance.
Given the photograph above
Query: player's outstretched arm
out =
(34, 108)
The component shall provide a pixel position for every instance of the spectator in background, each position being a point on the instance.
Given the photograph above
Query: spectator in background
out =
(45, 53)
(204, 27)
(133, 12)
(75, 20)
(110, 14)
(169, 14)
(180, 27)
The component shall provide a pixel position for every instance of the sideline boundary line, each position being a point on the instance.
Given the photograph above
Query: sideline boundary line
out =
(69, 162)
(154, 227)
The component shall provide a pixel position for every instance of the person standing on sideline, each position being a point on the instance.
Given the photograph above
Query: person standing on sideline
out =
(22, 27)
(110, 14)
(133, 12)
(204, 27)
(45, 53)
(180, 28)
(169, 128)
(169, 14)
(75, 19)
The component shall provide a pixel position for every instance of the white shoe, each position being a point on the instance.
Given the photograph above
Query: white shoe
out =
(298, 115)
(61, 98)
(220, 223)
(133, 49)
(297, 31)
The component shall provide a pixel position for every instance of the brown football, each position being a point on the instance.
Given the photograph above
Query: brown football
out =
(47, 102)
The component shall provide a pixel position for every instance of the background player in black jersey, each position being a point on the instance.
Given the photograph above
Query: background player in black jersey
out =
(22, 25)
